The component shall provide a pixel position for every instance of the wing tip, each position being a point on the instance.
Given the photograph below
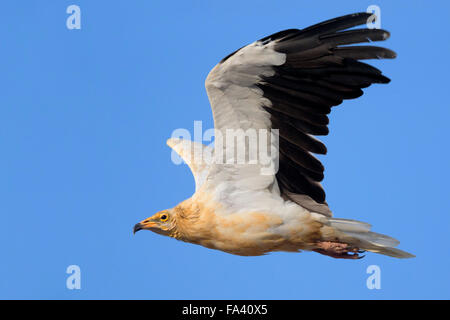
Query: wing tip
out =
(171, 142)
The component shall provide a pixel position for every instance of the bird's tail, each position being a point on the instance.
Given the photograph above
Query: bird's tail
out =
(358, 234)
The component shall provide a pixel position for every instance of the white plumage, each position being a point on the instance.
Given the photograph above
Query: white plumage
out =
(283, 85)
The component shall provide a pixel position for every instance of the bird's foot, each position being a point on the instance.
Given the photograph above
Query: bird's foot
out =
(338, 250)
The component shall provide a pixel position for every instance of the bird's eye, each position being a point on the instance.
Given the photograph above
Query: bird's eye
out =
(164, 217)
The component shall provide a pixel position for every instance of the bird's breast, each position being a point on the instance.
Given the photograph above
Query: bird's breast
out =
(254, 233)
(248, 233)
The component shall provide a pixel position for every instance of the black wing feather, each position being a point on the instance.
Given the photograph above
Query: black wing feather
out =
(321, 70)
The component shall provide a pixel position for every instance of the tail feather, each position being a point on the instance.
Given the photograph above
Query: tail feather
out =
(349, 225)
(358, 233)
(374, 238)
(392, 252)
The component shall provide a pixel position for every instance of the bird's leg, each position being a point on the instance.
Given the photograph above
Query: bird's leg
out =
(338, 250)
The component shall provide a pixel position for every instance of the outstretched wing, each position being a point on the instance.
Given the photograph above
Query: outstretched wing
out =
(196, 155)
(290, 81)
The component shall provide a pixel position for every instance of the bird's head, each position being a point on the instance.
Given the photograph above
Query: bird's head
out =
(162, 222)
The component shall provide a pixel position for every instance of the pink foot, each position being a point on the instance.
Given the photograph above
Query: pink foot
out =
(338, 250)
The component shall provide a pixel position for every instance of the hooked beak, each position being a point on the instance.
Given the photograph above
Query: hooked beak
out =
(137, 227)
(144, 225)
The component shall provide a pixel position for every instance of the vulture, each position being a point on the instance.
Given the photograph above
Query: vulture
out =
(258, 190)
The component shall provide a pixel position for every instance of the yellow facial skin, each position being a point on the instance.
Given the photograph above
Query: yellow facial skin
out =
(159, 223)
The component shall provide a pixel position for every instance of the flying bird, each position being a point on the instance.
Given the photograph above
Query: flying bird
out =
(287, 84)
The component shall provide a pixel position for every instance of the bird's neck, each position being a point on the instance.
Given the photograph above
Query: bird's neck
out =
(187, 214)
(193, 222)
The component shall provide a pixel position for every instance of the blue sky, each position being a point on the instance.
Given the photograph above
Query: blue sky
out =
(84, 116)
